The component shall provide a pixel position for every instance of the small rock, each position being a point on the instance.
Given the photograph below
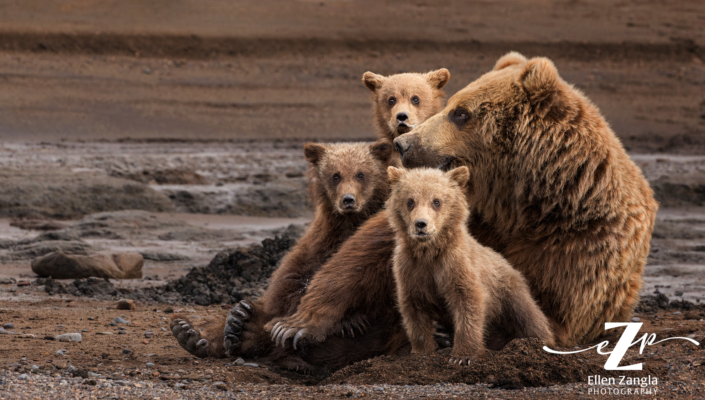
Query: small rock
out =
(636, 319)
(163, 329)
(61, 326)
(23, 283)
(239, 361)
(168, 310)
(124, 304)
(69, 337)
(104, 333)
(112, 323)
(9, 325)
(27, 336)
(71, 369)
(91, 318)
(122, 333)
(676, 313)
(150, 365)
(23, 377)
(4, 332)
(119, 320)
(220, 386)
(253, 365)
(49, 337)
(91, 382)
(35, 368)
(62, 352)
(126, 351)
(148, 334)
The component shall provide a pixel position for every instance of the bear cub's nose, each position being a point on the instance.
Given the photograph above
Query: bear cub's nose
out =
(420, 225)
(348, 201)
(402, 117)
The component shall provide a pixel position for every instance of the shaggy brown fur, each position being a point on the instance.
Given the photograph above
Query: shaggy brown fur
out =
(553, 191)
(347, 184)
(443, 274)
(402, 101)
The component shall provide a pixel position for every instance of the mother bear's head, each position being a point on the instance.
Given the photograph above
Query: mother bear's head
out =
(525, 133)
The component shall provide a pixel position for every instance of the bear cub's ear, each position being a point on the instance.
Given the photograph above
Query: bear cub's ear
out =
(382, 151)
(438, 78)
(459, 175)
(395, 174)
(372, 81)
(314, 152)
(511, 58)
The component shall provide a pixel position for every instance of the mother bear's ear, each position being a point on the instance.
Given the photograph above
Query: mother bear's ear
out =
(540, 81)
(511, 58)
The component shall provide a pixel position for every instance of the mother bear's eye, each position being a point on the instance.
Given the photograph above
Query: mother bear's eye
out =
(392, 100)
(459, 116)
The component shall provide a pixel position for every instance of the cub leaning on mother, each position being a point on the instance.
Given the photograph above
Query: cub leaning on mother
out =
(553, 191)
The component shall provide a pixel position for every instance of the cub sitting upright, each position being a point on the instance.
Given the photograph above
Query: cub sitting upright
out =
(443, 274)
(347, 184)
(402, 101)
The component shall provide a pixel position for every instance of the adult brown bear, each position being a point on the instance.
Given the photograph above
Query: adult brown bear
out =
(554, 193)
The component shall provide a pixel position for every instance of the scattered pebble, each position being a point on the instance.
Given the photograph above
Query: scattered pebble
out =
(239, 361)
(27, 336)
(70, 337)
(253, 365)
(9, 325)
(150, 365)
(636, 319)
(122, 333)
(104, 333)
(119, 320)
(62, 352)
(126, 351)
(23, 377)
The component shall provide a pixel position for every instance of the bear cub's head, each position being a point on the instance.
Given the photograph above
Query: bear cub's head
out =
(403, 101)
(349, 177)
(427, 204)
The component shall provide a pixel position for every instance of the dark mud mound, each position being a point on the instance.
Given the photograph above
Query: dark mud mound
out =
(92, 287)
(232, 275)
(522, 363)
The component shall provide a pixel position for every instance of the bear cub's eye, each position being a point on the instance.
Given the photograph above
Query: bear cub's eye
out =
(392, 100)
(436, 203)
(415, 100)
(336, 177)
(360, 176)
(410, 203)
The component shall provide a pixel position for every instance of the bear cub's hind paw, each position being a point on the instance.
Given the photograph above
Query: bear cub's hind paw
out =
(189, 338)
(239, 315)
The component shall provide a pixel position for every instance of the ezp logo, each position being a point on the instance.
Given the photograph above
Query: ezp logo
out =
(625, 342)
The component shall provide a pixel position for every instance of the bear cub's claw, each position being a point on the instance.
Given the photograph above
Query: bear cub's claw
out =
(461, 360)
(189, 338)
(237, 317)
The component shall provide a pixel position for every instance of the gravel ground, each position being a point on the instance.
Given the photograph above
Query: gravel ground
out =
(27, 386)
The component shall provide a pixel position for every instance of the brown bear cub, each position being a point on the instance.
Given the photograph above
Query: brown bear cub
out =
(402, 101)
(444, 275)
(347, 184)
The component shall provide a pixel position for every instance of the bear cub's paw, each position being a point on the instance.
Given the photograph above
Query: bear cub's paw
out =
(238, 317)
(460, 360)
(189, 337)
